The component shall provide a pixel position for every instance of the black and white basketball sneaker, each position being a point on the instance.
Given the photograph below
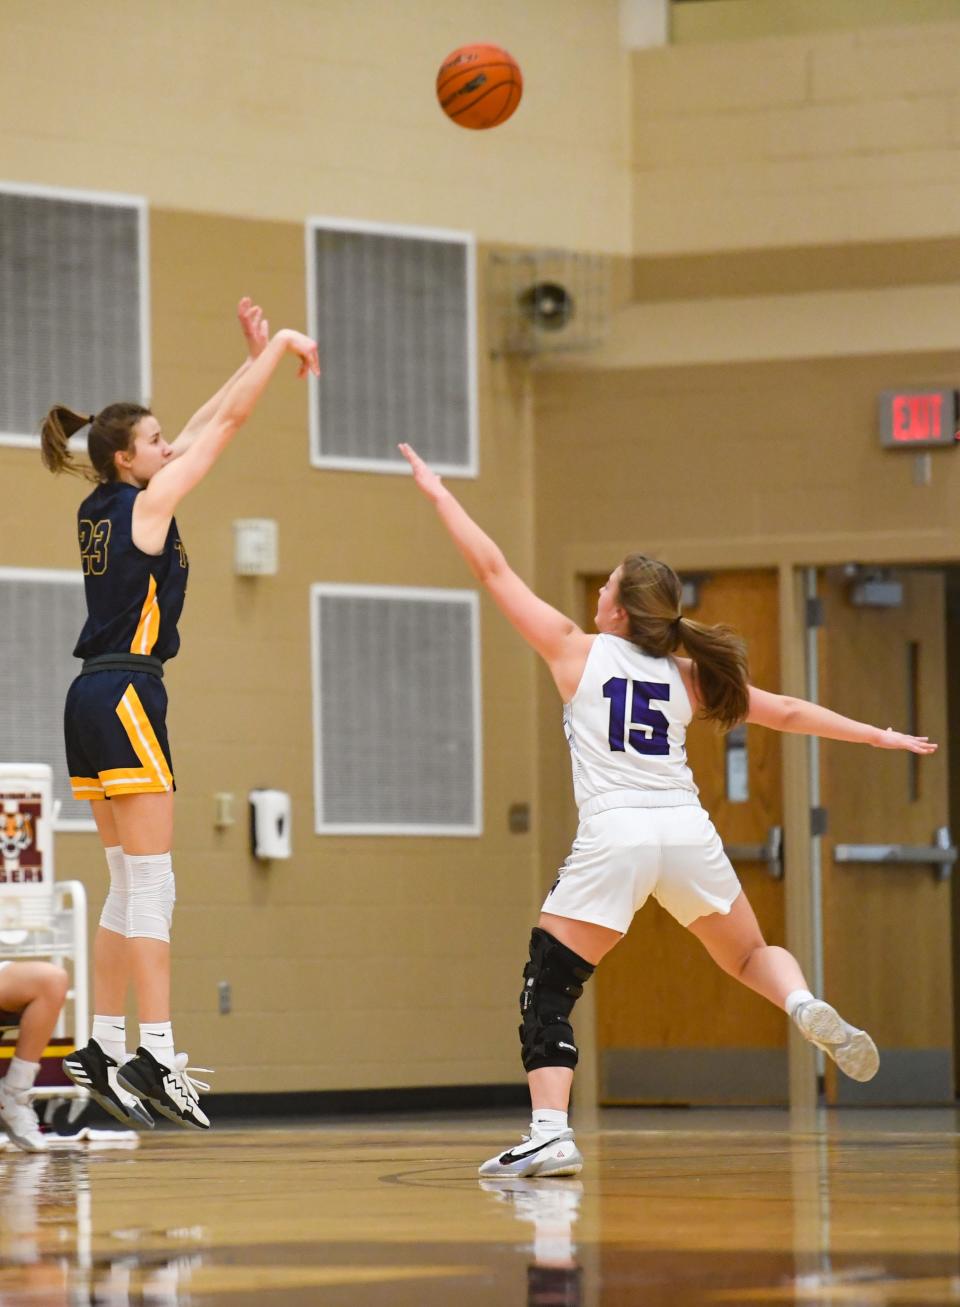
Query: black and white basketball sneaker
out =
(538, 1155)
(172, 1091)
(94, 1070)
(853, 1050)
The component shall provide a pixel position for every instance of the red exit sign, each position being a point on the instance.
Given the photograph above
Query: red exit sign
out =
(917, 419)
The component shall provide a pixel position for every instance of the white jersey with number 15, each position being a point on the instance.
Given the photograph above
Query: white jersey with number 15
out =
(626, 726)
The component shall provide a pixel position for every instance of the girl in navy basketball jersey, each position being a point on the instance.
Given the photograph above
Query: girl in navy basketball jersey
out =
(135, 578)
(628, 698)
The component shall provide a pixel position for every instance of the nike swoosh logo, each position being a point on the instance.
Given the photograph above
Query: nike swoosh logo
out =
(516, 1154)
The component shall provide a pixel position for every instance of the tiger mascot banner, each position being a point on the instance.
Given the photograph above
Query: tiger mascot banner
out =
(21, 859)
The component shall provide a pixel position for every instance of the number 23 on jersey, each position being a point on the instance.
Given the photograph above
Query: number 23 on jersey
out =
(94, 539)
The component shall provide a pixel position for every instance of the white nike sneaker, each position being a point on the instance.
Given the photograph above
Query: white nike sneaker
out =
(20, 1121)
(538, 1155)
(853, 1050)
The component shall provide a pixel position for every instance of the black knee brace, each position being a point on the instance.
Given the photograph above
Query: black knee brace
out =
(553, 981)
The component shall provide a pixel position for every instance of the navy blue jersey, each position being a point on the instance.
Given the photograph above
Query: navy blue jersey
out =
(134, 599)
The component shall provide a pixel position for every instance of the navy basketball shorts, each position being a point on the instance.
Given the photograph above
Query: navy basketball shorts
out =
(115, 725)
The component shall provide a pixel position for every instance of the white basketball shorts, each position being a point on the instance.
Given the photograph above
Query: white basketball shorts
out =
(622, 856)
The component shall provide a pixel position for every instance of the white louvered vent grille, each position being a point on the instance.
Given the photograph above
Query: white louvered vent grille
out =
(41, 614)
(72, 307)
(396, 711)
(394, 314)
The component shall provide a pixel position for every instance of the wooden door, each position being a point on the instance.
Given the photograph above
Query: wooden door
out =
(887, 927)
(672, 1027)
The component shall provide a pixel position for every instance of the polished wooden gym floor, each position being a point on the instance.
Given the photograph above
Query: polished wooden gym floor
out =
(856, 1207)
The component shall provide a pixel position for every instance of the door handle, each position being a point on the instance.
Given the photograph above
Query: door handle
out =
(771, 852)
(941, 854)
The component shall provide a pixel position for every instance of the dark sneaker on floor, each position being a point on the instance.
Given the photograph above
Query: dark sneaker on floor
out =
(171, 1091)
(94, 1070)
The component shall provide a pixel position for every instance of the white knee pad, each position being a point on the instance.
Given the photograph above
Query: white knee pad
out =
(114, 914)
(151, 894)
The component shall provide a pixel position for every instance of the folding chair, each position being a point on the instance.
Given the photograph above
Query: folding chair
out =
(41, 917)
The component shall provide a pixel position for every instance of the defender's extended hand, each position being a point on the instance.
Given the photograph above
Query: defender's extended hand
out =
(428, 481)
(891, 739)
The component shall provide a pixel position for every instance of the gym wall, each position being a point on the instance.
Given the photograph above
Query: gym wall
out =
(796, 209)
(789, 205)
(362, 962)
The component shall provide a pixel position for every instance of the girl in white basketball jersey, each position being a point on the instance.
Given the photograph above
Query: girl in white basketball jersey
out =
(628, 698)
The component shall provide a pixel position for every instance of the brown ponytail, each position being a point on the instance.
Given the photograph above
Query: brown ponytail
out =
(650, 595)
(58, 426)
(111, 432)
(719, 658)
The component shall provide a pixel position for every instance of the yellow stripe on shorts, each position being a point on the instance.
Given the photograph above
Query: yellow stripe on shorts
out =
(154, 776)
(148, 628)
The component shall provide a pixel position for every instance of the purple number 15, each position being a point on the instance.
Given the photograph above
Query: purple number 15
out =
(651, 740)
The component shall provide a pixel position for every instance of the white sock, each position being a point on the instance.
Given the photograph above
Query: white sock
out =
(548, 1121)
(157, 1038)
(21, 1075)
(111, 1034)
(794, 1000)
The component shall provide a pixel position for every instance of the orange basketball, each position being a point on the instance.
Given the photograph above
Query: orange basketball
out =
(479, 86)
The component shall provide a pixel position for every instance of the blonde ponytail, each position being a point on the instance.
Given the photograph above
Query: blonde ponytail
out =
(58, 426)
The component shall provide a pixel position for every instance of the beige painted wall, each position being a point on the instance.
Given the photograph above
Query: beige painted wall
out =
(795, 208)
(736, 465)
(355, 963)
(715, 466)
(702, 21)
(323, 107)
(797, 140)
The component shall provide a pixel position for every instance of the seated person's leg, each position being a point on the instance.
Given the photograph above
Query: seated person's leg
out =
(36, 990)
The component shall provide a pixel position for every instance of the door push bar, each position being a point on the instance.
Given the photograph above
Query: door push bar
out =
(771, 853)
(940, 855)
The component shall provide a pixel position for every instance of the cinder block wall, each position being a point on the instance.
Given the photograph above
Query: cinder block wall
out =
(815, 138)
(361, 962)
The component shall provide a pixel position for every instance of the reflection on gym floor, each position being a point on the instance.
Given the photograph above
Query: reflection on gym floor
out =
(671, 1208)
